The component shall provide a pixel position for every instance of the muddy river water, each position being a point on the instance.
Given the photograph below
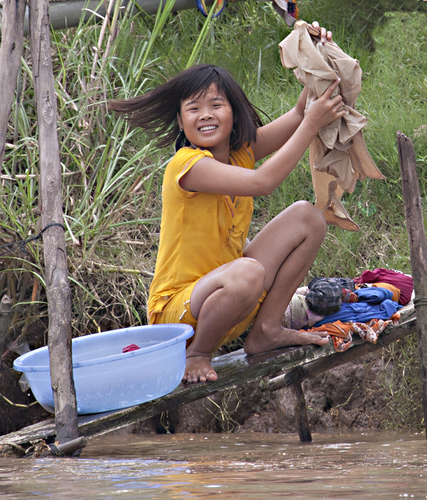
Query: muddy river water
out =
(227, 466)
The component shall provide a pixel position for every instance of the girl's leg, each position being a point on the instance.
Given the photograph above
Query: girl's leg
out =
(286, 247)
(220, 301)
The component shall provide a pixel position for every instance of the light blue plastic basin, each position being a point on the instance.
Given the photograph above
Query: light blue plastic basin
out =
(107, 379)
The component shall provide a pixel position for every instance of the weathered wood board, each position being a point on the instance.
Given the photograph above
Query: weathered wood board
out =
(234, 370)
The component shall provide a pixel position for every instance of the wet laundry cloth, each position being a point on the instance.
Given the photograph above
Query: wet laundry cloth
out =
(342, 333)
(325, 295)
(374, 295)
(337, 329)
(394, 290)
(340, 344)
(338, 154)
(370, 331)
(297, 314)
(343, 282)
(362, 312)
(398, 279)
(349, 296)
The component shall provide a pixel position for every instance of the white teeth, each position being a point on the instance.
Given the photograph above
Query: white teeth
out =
(210, 127)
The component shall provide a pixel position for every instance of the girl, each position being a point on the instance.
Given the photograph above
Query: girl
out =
(205, 275)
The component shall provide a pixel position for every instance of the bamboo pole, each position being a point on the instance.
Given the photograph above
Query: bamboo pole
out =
(10, 61)
(418, 250)
(57, 286)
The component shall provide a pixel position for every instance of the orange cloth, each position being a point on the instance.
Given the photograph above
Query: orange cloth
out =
(342, 333)
(338, 155)
(392, 288)
(338, 329)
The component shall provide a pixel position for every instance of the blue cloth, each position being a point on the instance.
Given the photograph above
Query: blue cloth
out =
(362, 312)
(373, 295)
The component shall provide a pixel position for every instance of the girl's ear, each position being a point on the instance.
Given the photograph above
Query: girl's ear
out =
(178, 118)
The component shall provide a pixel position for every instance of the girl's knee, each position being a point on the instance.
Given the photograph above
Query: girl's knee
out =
(311, 217)
(248, 276)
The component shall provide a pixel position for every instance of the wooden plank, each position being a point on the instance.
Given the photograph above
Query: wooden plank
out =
(234, 370)
(418, 250)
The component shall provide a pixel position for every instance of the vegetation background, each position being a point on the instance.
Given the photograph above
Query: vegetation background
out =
(112, 175)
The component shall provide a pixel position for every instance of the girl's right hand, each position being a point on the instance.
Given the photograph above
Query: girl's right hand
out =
(326, 109)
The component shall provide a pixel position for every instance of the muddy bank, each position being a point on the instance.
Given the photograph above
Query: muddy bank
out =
(17, 408)
(368, 394)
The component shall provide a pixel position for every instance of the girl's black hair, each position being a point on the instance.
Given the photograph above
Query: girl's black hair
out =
(156, 111)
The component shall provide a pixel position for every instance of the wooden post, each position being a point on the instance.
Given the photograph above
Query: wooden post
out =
(57, 286)
(12, 41)
(418, 250)
(301, 418)
(5, 315)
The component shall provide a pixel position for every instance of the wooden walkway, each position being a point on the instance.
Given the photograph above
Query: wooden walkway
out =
(284, 367)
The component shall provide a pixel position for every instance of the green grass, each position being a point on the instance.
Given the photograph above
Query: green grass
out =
(112, 175)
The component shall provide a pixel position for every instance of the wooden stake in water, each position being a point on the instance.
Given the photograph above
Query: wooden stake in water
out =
(57, 286)
(418, 250)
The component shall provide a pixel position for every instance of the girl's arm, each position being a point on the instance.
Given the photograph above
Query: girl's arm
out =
(211, 176)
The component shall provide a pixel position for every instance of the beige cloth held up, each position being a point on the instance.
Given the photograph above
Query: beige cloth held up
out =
(338, 154)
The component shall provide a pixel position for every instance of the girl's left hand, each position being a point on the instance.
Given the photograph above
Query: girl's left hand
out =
(325, 36)
(326, 109)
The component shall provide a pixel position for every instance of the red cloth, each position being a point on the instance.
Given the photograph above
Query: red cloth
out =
(131, 347)
(349, 296)
(401, 281)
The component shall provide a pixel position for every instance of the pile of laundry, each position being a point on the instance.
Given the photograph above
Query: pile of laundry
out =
(365, 305)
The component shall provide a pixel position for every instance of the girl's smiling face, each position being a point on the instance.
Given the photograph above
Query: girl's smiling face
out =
(207, 120)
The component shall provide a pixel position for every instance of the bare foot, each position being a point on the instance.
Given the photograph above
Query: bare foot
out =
(264, 341)
(199, 368)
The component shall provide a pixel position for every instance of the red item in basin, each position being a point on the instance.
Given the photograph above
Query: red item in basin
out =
(131, 347)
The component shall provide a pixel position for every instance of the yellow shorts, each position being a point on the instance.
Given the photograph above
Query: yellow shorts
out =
(177, 310)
